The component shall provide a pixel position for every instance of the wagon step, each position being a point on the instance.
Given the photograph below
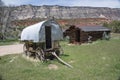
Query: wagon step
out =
(53, 53)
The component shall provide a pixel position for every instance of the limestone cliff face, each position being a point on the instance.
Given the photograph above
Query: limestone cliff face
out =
(64, 12)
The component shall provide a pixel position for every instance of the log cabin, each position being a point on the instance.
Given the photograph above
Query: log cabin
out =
(83, 34)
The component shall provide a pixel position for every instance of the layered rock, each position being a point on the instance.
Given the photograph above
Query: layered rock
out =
(64, 12)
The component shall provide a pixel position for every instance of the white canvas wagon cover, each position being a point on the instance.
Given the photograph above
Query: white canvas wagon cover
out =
(36, 32)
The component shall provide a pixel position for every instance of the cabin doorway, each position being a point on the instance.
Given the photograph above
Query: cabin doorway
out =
(77, 35)
(48, 38)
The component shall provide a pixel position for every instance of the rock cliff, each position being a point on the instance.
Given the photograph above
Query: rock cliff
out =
(64, 12)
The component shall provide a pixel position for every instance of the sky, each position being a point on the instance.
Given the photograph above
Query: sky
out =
(90, 3)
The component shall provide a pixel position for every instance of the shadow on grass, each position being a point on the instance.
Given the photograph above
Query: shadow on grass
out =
(118, 78)
(1, 77)
(64, 55)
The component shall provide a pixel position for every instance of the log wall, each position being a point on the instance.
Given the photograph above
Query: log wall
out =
(95, 35)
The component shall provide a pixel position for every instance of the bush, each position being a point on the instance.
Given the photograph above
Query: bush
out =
(114, 26)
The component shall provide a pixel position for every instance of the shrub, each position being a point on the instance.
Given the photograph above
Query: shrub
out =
(114, 26)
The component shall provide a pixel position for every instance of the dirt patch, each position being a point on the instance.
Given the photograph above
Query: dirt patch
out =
(71, 61)
(52, 67)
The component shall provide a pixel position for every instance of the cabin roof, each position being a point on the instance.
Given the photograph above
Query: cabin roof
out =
(94, 28)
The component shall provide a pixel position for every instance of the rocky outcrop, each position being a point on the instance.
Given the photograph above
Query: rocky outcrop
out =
(64, 12)
(22, 16)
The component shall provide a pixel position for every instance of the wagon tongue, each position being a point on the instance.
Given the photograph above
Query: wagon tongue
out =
(53, 53)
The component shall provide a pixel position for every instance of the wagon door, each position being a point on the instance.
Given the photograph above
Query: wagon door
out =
(48, 39)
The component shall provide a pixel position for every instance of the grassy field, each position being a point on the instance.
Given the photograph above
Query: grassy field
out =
(97, 61)
(8, 42)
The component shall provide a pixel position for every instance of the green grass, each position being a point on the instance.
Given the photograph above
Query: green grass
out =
(8, 42)
(97, 61)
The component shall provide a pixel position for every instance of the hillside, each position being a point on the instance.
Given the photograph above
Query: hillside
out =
(64, 12)
(64, 22)
(19, 17)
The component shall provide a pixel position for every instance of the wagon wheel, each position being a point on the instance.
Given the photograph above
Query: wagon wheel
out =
(40, 54)
(25, 50)
(61, 50)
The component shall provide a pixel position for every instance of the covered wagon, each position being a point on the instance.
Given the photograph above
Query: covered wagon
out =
(42, 39)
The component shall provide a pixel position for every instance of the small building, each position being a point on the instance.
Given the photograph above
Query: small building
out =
(84, 34)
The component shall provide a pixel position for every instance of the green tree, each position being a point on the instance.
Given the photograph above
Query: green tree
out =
(5, 19)
(114, 26)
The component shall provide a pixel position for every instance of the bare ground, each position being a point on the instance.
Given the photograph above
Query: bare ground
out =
(11, 49)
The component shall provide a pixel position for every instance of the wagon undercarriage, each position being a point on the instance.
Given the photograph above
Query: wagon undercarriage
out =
(38, 51)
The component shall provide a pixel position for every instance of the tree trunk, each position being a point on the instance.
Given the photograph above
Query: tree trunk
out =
(5, 20)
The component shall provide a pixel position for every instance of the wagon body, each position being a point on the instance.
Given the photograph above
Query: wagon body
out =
(42, 38)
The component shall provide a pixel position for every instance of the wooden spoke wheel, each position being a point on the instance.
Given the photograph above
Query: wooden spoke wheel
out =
(59, 51)
(40, 54)
(25, 49)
